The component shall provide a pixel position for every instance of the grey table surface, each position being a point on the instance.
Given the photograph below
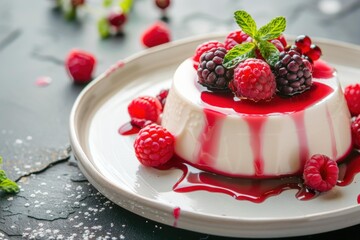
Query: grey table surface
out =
(56, 200)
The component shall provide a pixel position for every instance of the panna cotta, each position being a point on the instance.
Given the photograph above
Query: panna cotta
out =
(220, 133)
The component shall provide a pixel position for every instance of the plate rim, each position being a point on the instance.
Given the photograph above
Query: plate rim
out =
(87, 167)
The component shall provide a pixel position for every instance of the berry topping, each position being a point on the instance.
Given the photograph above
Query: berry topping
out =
(303, 42)
(211, 73)
(236, 37)
(352, 96)
(355, 132)
(162, 96)
(314, 53)
(293, 73)
(145, 107)
(154, 145)
(283, 41)
(80, 65)
(253, 80)
(320, 173)
(162, 4)
(207, 46)
(322, 70)
(156, 34)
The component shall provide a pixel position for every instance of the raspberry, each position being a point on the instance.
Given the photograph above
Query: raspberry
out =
(154, 145)
(156, 34)
(283, 41)
(320, 173)
(80, 65)
(162, 96)
(253, 80)
(355, 132)
(145, 107)
(236, 37)
(352, 96)
(202, 48)
(293, 73)
(211, 73)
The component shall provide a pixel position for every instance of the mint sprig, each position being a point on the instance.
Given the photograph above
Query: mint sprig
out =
(6, 184)
(261, 38)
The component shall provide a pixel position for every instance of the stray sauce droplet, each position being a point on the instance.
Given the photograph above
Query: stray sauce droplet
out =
(176, 214)
(43, 81)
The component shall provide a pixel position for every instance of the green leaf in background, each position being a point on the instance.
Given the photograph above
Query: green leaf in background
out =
(269, 52)
(271, 30)
(107, 3)
(9, 186)
(2, 175)
(126, 5)
(245, 22)
(238, 54)
(103, 27)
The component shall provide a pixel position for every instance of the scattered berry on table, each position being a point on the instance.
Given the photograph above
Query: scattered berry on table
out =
(303, 42)
(293, 73)
(211, 72)
(145, 107)
(116, 19)
(352, 96)
(236, 37)
(154, 145)
(80, 65)
(253, 80)
(320, 173)
(162, 95)
(156, 34)
(162, 4)
(204, 47)
(355, 132)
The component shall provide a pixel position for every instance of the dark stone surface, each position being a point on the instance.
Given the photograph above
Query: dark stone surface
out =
(56, 201)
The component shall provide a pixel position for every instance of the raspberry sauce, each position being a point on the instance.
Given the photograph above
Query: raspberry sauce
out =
(128, 129)
(254, 190)
(176, 214)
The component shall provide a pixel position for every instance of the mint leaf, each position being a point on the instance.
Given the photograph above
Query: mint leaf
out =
(246, 23)
(2, 175)
(103, 27)
(126, 5)
(238, 54)
(271, 30)
(269, 52)
(9, 186)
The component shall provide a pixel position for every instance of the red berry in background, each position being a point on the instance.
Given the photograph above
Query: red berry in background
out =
(303, 42)
(154, 145)
(156, 34)
(204, 47)
(314, 53)
(80, 65)
(253, 80)
(320, 173)
(145, 107)
(236, 37)
(116, 19)
(77, 3)
(355, 132)
(352, 96)
(162, 4)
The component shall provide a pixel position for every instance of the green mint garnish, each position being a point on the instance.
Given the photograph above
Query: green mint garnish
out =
(103, 27)
(107, 3)
(6, 184)
(261, 38)
(238, 54)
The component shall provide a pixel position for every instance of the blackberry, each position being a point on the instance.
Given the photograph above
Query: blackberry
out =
(211, 73)
(293, 73)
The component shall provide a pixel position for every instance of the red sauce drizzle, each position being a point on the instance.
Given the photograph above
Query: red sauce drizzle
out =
(128, 129)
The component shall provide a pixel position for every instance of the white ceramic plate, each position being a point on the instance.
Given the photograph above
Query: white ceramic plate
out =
(108, 161)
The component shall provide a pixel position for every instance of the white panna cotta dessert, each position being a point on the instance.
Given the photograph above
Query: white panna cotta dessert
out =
(222, 134)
